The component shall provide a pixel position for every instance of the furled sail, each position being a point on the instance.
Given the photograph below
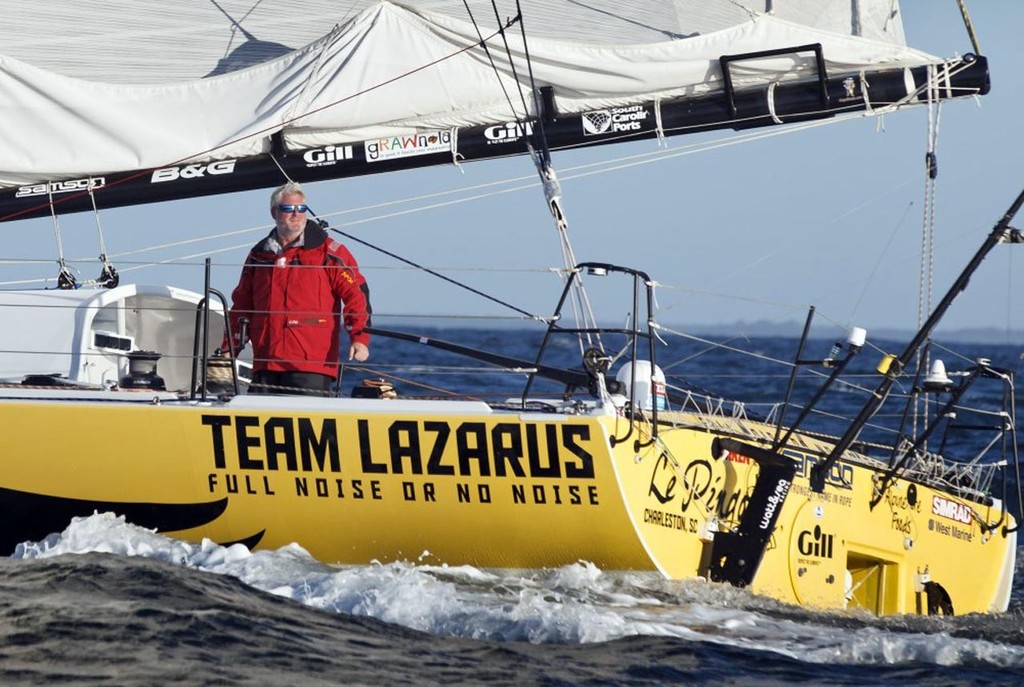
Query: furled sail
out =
(199, 101)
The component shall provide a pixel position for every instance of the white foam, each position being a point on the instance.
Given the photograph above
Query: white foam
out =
(575, 604)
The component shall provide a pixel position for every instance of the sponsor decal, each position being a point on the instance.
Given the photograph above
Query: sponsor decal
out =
(954, 531)
(850, 87)
(959, 513)
(952, 510)
(774, 501)
(816, 543)
(326, 156)
(840, 475)
(56, 187)
(614, 121)
(671, 521)
(903, 508)
(466, 462)
(192, 171)
(698, 483)
(408, 146)
(509, 132)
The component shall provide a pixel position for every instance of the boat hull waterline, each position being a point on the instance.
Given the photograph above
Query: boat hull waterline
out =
(361, 480)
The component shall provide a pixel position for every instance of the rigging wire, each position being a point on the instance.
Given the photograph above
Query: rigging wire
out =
(490, 59)
(583, 313)
(878, 263)
(435, 273)
(108, 275)
(970, 26)
(65, 280)
(542, 161)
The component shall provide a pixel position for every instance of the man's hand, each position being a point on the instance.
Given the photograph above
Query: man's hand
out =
(358, 351)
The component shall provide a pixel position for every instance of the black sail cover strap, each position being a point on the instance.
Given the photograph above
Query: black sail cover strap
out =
(736, 556)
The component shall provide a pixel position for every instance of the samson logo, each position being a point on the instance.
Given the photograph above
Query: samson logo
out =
(816, 543)
(55, 187)
(328, 155)
(952, 510)
(508, 132)
(192, 171)
(840, 475)
(774, 501)
(616, 120)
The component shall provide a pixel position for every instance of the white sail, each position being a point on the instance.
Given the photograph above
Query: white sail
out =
(151, 41)
(360, 82)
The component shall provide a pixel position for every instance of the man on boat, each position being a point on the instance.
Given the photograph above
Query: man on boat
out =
(296, 285)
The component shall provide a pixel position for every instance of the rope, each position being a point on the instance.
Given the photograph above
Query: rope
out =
(926, 279)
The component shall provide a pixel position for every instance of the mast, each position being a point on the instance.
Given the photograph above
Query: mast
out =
(1001, 232)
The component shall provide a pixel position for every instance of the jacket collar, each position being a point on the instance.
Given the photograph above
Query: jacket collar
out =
(313, 236)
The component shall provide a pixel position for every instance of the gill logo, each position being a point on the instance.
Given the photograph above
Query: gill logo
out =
(817, 543)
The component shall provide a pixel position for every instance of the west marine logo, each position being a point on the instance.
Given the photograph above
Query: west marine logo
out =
(192, 171)
(509, 132)
(953, 510)
(56, 187)
(615, 120)
(328, 155)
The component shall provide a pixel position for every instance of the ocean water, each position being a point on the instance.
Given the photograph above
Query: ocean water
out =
(106, 602)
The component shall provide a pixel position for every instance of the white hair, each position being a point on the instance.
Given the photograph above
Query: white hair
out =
(281, 191)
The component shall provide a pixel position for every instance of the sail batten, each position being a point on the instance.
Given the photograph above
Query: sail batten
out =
(406, 85)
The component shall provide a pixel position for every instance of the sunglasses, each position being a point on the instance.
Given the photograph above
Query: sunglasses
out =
(288, 208)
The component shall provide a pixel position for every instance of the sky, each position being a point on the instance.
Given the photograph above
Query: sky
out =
(830, 217)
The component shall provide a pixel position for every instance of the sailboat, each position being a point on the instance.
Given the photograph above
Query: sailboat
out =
(616, 466)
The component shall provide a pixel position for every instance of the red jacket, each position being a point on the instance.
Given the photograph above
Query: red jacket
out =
(292, 299)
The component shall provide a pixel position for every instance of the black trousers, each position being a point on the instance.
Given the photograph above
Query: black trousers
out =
(301, 383)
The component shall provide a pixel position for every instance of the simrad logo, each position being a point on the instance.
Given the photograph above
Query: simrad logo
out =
(616, 120)
(192, 171)
(55, 187)
(508, 132)
(953, 510)
(328, 155)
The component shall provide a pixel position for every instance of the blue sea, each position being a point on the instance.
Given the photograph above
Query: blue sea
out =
(106, 602)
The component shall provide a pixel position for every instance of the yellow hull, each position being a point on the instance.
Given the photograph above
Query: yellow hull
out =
(354, 482)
